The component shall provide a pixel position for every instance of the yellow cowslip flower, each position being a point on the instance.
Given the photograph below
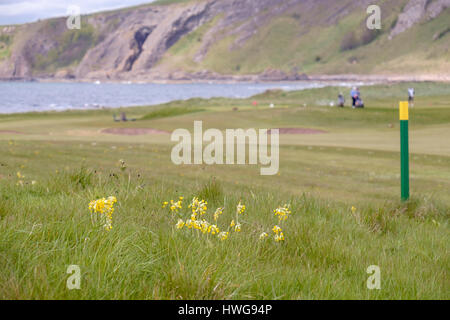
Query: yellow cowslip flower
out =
(204, 226)
(223, 235)
(104, 208)
(232, 224)
(198, 207)
(240, 208)
(276, 229)
(353, 209)
(237, 228)
(175, 206)
(197, 225)
(165, 203)
(263, 235)
(279, 237)
(282, 212)
(189, 223)
(19, 175)
(180, 224)
(123, 165)
(213, 229)
(217, 214)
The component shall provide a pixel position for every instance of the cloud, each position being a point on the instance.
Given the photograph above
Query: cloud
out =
(21, 11)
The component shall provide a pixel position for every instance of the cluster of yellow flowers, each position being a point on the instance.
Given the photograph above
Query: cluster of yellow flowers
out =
(198, 209)
(282, 212)
(203, 225)
(217, 214)
(197, 222)
(174, 205)
(240, 208)
(102, 210)
(279, 236)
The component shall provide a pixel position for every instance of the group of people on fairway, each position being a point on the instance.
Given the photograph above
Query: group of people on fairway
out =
(356, 99)
(358, 103)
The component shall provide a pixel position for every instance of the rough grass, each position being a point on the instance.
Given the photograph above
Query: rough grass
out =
(46, 227)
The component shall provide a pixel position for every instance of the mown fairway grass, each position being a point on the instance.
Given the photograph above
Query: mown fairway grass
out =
(45, 226)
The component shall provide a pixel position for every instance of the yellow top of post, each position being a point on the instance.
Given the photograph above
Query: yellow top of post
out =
(404, 110)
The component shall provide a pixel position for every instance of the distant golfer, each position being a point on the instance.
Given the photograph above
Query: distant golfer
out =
(341, 100)
(354, 93)
(411, 94)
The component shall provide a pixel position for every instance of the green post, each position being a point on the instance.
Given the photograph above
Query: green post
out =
(404, 150)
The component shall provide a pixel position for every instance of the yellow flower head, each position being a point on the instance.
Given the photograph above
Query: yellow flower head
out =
(180, 224)
(223, 235)
(103, 209)
(204, 226)
(198, 207)
(240, 208)
(282, 212)
(213, 229)
(276, 229)
(189, 223)
(217, 214)
(279, 237)
(232, 224)
(237, 228)
(263, 236)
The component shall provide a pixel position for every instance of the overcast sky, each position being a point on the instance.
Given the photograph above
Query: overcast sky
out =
(20, 11)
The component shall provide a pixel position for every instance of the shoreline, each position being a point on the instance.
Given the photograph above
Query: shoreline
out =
(321, 81)
(231, 79)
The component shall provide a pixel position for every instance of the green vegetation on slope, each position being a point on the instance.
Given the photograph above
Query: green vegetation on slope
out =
(71, 47)
(293, 41)
(5, 46)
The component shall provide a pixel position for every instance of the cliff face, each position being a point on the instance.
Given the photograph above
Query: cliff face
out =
(275, 39)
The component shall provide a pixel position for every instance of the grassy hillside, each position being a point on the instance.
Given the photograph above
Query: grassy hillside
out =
(342, 187)
(294, 41)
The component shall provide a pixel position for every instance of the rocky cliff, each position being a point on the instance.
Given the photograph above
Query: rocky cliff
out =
(222, 39)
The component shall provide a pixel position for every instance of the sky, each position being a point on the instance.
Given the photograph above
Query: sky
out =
(21, 11)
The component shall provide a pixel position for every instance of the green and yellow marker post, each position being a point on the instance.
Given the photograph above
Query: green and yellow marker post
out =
(404, 150)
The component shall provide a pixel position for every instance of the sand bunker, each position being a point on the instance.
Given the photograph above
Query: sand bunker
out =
(133, 131)
(300, 131)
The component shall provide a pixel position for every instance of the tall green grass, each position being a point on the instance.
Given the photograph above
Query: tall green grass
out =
(45, 227)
